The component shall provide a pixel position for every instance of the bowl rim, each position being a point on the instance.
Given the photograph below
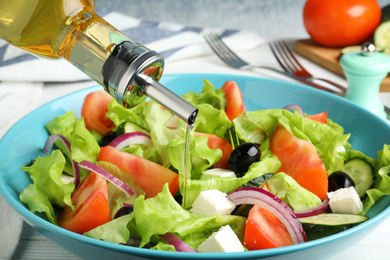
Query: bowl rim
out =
(41, 224)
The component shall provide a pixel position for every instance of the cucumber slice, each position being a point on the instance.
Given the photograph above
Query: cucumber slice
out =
(233, 137)
(128, 127)
(362, 174)
(382, 37)
(329, 224)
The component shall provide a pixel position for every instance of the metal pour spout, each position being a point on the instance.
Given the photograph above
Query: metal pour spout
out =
(167, 98)
(131, 74)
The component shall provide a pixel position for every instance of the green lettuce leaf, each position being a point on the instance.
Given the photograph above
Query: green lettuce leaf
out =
(287, 189)
(83, 143)
(37, 202)
(46, 174)
(212, 121)
(114, 231)
(211, 104)
(381, 187)
(215, 98)
(156, 119)
(164, 247)
(62, 125)
(118, 114)
(382, 178)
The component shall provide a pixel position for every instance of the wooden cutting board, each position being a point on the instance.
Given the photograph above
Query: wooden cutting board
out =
(328, 58)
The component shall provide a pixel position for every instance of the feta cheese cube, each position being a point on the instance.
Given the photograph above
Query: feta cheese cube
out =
(218, 172)
(224, 240)
(211, 203)
(345, 201)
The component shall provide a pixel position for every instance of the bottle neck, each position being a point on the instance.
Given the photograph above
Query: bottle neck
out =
(120, 71)
(88, 42)
(109, 57)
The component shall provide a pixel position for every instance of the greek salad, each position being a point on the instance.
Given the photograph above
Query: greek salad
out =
(256, 180)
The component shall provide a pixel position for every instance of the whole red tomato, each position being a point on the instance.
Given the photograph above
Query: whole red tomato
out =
(339, 23)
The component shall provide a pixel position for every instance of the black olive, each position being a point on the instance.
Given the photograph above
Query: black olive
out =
(107, 138)
(123, 211)
(242, 157)
(339, 180)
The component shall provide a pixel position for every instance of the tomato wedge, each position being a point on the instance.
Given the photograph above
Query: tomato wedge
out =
(215, 142)
(150, 176)
(300, 160)
(91, 206)
(320, 117)
(263, 230)
(94, 112)
(235, 103)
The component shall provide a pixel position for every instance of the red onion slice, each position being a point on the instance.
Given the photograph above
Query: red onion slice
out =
(49, 144)
(179, 244)
(127, 139)
(108, 176)
(268, 201)
(300, 110)
(321, 208)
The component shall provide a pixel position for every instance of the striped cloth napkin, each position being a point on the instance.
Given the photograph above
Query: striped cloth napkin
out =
(172, 41)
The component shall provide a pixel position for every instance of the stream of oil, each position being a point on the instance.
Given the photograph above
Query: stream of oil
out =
(186, 162)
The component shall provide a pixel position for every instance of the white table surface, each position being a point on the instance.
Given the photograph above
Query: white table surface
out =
(19, 241)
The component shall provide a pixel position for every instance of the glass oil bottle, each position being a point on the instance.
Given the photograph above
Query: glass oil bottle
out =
(70, 29)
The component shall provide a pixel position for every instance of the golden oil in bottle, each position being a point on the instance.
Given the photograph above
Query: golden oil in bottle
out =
(68, 29)
(36, 25)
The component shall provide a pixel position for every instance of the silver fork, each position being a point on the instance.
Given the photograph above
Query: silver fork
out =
(290, 64)
(232, 60)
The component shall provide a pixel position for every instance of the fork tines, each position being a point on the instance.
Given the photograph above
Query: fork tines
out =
(223, 51)
(284, 56)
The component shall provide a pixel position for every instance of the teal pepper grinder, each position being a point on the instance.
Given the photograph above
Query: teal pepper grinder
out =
(365, 71)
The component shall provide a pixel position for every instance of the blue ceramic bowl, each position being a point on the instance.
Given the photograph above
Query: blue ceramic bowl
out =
(24, 141)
